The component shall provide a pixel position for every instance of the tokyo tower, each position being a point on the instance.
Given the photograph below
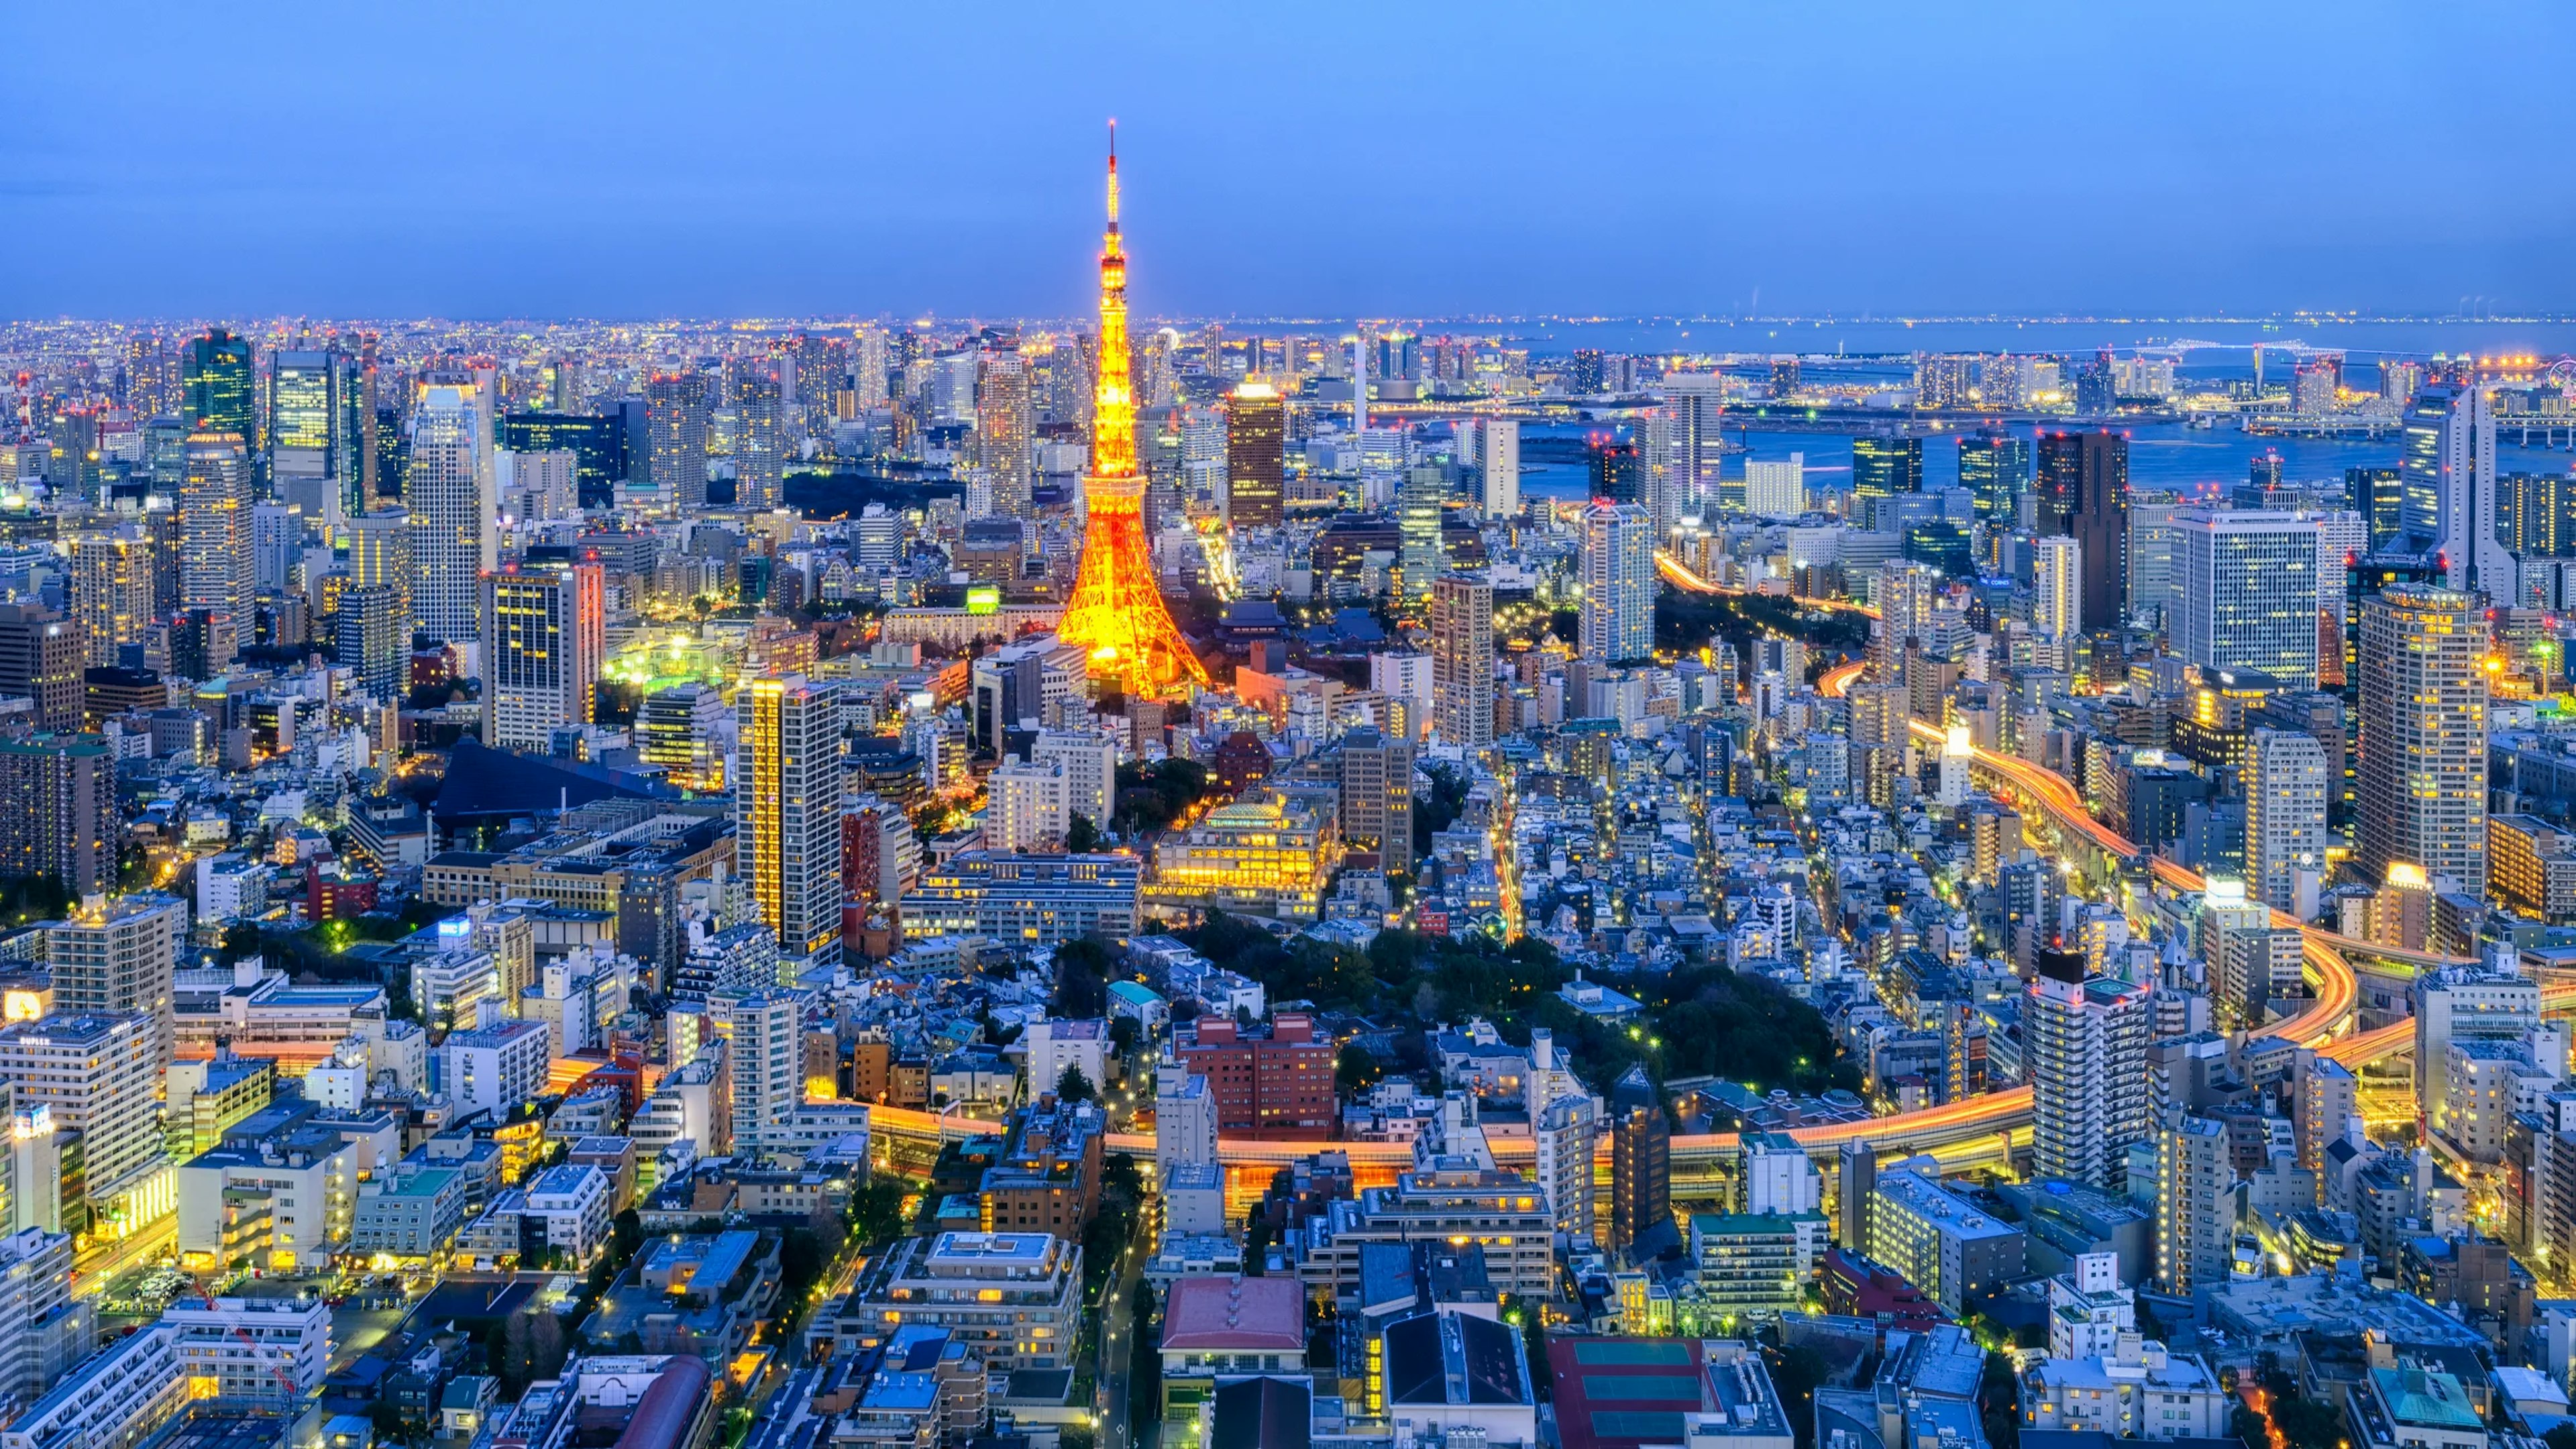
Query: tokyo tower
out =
(1117, 613)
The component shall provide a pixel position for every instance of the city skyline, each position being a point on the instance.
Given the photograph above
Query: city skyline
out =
(671, 170)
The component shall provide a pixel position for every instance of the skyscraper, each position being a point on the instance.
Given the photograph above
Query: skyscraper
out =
(2423, 755)
(58, 813)
(1256, 430)
(1884, 467)
(309, 451)
(1697, 403)
(449, 492)
(214, 527)
(216, 388)
(544, 637)
(759, 448)
(1615, 475)
(1994, 467)
(1419, 506)
(2249, 592)
(371, 636)
(1117, 616)
(764, 1036)
(1500, 457)
(675, 417)
(110, 593)
(380, 558)
(1376, 786)
(787, 806)
(1462, 659)
(1641, 1161)
(1618, 612)
(2085, 1045)
(2448, 494)
(2084, 493)
(2285, 814)
(1003, 422)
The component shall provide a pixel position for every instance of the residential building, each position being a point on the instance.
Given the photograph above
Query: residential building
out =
(787, 792)
(544, 639)
(1015, 1299)
(2286, 775)
(1618, 568)
(2422, 768)
(1943, 1244)
(272, 1349)
(1462, 659)
(1269, 1080)
(2085, 1049)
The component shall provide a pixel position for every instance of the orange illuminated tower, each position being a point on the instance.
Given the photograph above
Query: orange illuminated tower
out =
(1117, 613)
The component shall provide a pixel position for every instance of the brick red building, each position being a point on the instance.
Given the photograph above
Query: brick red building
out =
(1269, 1081)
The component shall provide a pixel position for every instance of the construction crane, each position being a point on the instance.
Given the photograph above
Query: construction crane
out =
(287, 1391)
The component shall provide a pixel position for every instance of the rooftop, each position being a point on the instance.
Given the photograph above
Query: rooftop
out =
(1235, 1315)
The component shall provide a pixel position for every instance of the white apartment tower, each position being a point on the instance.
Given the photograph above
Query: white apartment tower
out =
(2085, 1049)
(2285, 815)
(1618, 613)
(1462, 659)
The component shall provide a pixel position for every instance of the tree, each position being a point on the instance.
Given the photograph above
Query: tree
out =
(1999, 1402)
(1081, 837)
(876, 1211)
(1123, 1034)
(1081, 979)
(1355, 1068)
(629, 1227)
(1072, 1086)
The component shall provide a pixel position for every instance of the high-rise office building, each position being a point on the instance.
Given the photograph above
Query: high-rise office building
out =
(214, 526)
(676, 731)
(2083, 492)
(41, 659)
(1696, 402)
(1421, 501)
(1003, 426)
(675, 412)
(1499, 455)
(1994, 467)
(2195, 1206)
(1256, 430)
(1462, 659)
(2422, 783)
(2085, 1048)
(1376, 787)
(759, 444)
(110, 592)
(1618, 610)
(449, 492)
(1641, 1161)
(2056, 587)
(58, 814)
(310, 453)
(2285, 814)
(1615, 475)
(544, 638)
(1884, 467)
(2249, 592)
(2448, 493)
(1657, 491)
(787, 806)
(216, 388)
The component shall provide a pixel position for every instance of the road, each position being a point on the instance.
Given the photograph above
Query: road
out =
(101, 1262)
(1117, 1346)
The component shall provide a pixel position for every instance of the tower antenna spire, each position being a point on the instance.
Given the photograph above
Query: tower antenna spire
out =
(1113, 173)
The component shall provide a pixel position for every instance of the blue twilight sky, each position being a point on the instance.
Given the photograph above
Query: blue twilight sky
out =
(1324, 159)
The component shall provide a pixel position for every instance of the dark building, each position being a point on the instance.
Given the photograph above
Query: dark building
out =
(2374, 494)
(41, 659)
(393, 453)
(597, 445)
(216, 388)
(2084, 495)
(371, 636)
(1994, 466)
(1945, 544)
(1614, 473)
(1884, 468)
(1583, 373)
(1641, 1162)
(111, 690)
(1256, 432)
(58, 812)
(2264, 472)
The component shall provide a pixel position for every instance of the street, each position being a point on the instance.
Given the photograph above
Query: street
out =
(1117, 1344)
(102, 1261)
